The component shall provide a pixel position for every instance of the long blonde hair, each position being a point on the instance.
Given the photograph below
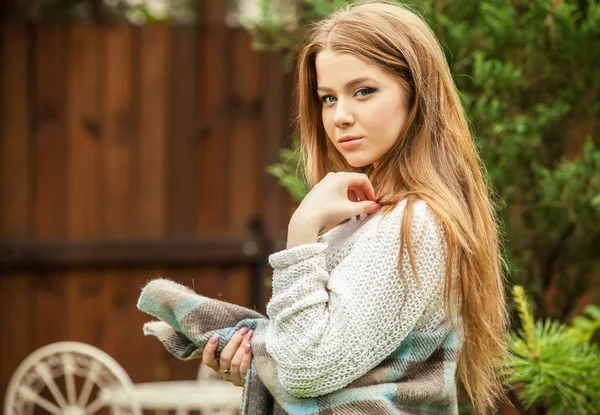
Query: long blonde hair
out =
(434, 160)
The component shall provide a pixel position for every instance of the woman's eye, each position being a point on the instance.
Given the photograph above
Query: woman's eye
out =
(364, 92)
(327, 99)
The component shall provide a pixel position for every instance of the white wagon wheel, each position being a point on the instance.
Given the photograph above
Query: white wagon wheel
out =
(85, 371)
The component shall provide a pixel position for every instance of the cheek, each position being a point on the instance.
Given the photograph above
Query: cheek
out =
(327, 117)
(387, 119)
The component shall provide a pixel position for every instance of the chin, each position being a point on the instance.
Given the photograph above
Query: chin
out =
(356, 163)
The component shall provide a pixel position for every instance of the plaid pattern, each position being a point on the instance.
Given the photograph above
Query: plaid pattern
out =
(417, 378)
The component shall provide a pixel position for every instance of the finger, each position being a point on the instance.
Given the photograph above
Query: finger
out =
(368, 207)
(358, 208)
(230, 348)
(361, 181)
(208, 356)
(357, 196)
(360, 194)
(237, 360)
(246, 361)
(352, 195)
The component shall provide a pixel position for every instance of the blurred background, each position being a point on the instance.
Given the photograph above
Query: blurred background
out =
(155, 138)
(134, 146)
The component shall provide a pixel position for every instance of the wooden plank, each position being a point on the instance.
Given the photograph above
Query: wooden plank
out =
(85, 132)
(130, 253)
(49, 131)
(213, 149)
(15, 149)
(183, 132)
(16, 319)
(119, 297)
(246, 170)
(277, 205)
(87, 305)
(84, 289)
(215, 66)
(120, 300)
(119, 133)
(276, 127)
(151, 150)
(48, 309)
(238, 286)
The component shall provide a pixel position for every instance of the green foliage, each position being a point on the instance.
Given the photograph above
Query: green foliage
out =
(270, 33)
(528, 78)
(588, 323)
(527, 73)
(288, 171)
(555, 365)
(134, 11)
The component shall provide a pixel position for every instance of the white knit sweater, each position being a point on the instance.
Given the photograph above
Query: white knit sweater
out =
(337, 305)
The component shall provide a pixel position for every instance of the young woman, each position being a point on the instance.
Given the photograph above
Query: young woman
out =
(392, 269)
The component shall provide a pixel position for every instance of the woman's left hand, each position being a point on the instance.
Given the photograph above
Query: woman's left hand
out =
(337, 197)
(235, 358)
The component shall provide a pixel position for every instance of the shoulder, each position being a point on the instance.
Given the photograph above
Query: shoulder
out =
(424, 227)
(423, 218)
(421, 215)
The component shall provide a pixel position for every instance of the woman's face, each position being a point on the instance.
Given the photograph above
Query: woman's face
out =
(364, 108)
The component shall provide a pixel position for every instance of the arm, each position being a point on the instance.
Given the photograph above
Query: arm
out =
(327, 330)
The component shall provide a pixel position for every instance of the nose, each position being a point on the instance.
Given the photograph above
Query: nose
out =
(343, 116)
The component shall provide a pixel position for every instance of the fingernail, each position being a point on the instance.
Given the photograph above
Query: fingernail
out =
(243, 331)
(214, 338)
(248, 348)
(375, 207)
(249, 335)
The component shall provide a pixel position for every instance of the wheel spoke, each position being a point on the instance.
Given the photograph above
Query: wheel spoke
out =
(47, 405)
(32, 396)
(69, 379)
(117, 410)
(88, 385)
(94, 406)
(46, 376)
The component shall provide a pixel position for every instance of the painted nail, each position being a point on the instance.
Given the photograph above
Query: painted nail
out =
(248, 348)
(249, 335)
(243, 331)
(214, 338)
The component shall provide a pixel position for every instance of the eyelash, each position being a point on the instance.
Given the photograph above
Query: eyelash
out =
(369, 90)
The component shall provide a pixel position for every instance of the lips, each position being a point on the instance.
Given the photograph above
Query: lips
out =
(350, 143)
(348, 138)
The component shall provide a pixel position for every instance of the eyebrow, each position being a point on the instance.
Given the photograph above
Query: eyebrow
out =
(348, 85)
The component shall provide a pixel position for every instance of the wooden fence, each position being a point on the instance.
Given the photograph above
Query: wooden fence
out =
(128, 153)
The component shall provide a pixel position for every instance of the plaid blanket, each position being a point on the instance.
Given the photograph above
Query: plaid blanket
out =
(417, 378)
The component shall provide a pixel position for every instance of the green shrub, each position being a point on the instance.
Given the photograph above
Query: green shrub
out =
(529, 82)
(555, 366)
(528, 77)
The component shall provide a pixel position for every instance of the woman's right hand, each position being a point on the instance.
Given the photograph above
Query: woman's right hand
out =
(235, 359)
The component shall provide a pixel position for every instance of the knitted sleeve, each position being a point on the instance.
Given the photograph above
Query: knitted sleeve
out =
(329, 328)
